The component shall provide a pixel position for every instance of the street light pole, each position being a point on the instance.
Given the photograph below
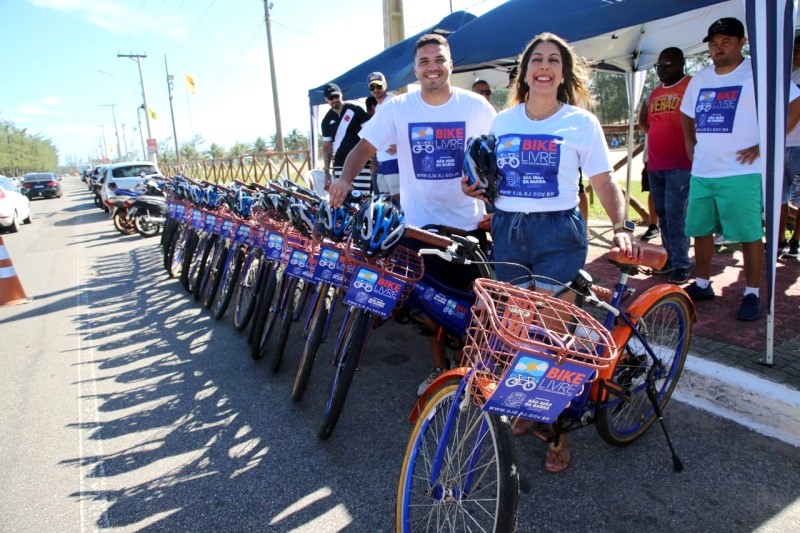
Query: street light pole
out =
(125, 143)
(103, 130)
(116, 131)
(278, 130)
(137, 58)
(170, 79)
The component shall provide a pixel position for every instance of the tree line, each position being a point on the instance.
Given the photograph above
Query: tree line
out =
(21, 152)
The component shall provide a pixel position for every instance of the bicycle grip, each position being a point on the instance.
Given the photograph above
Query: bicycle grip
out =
(427, 237)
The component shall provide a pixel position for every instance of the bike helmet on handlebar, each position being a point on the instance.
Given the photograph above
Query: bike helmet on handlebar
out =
(480, 163)
(335, 223)
(379, 225)
(302, 217)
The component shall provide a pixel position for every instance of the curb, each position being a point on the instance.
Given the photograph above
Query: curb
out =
(764, 406)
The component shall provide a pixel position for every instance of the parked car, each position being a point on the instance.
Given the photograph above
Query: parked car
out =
(126, 176)
(14, 206)
(41, 185)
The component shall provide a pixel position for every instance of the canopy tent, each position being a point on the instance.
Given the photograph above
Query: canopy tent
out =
(394, 62)
(628, 35)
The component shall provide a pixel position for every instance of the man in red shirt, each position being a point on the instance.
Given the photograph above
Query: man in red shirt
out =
(668, 166)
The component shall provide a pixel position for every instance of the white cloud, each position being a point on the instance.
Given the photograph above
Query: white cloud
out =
(31, 110)
(51, 100)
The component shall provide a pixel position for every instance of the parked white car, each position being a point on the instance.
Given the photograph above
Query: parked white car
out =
(126, 176)
(14, 206)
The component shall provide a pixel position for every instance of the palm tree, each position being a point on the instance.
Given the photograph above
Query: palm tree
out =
(296, 140)
(239, 149)
(215, 151)
(260, 145)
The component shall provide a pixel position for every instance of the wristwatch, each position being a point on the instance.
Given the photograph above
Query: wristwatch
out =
(626, 225)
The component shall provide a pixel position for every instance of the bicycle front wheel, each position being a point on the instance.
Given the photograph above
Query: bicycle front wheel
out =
(355, 340)
(316, 330)
(246, 295)
(666, 325)
(228, 278)
(477, 488)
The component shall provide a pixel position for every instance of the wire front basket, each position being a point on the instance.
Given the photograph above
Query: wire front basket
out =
(508, 321)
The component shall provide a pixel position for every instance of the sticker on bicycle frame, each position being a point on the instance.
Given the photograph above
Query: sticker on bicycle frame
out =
(330, 267)
(242, 234)
(197, 219)
(537, 389)
(300, 265)
(273, 244)
(374, 292)
(210, 222)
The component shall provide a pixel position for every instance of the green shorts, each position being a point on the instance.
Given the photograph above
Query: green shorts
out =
(731, 206)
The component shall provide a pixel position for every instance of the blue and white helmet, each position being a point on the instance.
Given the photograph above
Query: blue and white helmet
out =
(302, 217)
(480, 163)
(379, 226)
(335, 223)
(243, 203)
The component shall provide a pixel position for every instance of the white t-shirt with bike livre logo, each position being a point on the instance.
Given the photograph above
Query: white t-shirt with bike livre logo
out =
(430, 151)
(538, 161)
(724, 110)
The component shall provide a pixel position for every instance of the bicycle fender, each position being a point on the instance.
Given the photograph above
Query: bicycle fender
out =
(457, 373)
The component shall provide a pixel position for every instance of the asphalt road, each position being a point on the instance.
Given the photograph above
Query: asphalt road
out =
(126, 406)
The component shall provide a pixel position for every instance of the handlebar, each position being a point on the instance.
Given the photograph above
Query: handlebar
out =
(295, 194)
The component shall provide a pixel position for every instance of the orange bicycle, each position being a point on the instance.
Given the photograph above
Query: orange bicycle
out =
(537, 357)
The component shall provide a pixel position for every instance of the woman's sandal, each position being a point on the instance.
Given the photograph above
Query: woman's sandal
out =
(557, 458)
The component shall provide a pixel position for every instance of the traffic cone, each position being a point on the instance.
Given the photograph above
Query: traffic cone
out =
(11, 291)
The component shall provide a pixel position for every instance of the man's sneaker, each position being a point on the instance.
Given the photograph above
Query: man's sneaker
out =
(783, 246)
(720, 240)
(697, 294)
(430, 379)
(750, 308)
(680, 276)
(793, 251)
(652, 232)
(666, 269)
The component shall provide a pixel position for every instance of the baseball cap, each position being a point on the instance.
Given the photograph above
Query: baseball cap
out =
(725, 26)
(376, 77)
(331, 89)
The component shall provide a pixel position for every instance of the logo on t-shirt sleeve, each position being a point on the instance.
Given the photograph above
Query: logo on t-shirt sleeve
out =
(715, 110)
(437, 149)
(528, 165)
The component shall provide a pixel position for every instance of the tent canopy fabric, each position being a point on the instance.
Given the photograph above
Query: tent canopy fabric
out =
(394, 62)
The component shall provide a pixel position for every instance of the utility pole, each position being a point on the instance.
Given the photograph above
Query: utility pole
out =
(170, 79)
(104, 154)
(138, 58)
(116, 131)
(393, 24)
(277, 107)
(125, 143)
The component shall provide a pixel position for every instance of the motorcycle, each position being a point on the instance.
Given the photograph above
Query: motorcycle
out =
(149, 211)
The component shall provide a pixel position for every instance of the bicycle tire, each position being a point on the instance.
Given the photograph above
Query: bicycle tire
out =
(267, 273)
(355, 341)
(247, 290)
(323, 301)
(201, 264)
(190, 247)
(230, 273)
(174, 252)
(667, 325)
(491, 505)
(214, 277)
(293, 296)
(271, 287)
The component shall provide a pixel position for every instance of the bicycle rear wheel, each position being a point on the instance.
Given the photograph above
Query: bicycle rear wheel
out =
(666, 325)
(478, 484)
(355, 340)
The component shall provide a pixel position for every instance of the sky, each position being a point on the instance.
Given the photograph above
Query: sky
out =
(62, 77)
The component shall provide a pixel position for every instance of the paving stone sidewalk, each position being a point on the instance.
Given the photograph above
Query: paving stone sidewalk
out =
(717, 335)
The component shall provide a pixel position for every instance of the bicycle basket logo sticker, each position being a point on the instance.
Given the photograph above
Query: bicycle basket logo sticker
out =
(527, 374)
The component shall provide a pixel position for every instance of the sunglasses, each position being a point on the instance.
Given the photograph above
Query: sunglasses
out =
(484, 92)
(375, 87)
(663, 64)
(333, 97)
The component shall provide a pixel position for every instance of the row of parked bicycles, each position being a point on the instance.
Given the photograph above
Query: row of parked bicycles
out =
(282, 259)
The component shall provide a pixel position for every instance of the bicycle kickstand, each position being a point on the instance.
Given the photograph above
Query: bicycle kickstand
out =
(677, 465)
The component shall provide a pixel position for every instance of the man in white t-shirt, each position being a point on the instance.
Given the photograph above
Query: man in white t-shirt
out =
(791, 178)
(430, 128)
(718, 115)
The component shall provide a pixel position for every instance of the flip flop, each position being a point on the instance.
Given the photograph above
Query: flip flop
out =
(521, 427)
(557, 459)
